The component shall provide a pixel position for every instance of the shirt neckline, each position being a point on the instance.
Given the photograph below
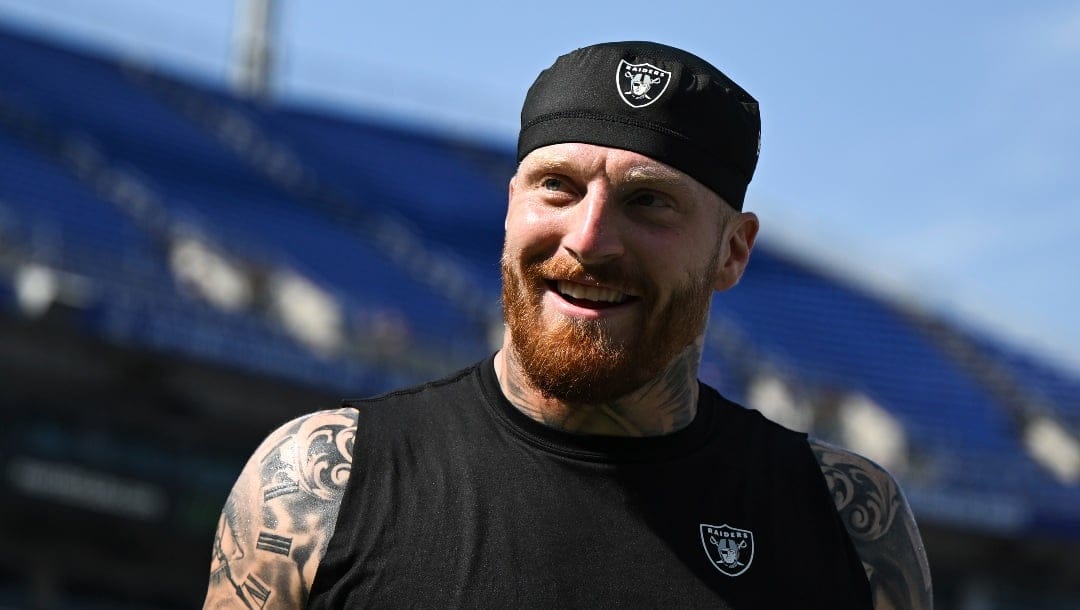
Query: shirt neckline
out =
(596, 447)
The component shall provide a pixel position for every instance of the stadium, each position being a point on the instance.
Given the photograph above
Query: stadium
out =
(184, 267)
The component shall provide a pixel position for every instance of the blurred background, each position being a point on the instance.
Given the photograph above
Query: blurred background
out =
(217, 215)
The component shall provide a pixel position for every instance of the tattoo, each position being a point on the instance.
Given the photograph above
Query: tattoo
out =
(663, 405)
(281, 513)
(675, 392)
(274, 543)
(226, 550)
(881, 526)
(257, 591)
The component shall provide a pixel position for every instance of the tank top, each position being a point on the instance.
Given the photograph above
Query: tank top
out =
(458, 500)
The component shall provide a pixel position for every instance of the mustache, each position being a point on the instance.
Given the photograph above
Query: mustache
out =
(611, 275)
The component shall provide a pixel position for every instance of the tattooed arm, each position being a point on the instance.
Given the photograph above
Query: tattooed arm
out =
(882, 527)
(281, 513)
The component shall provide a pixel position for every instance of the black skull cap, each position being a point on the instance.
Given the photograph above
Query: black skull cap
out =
(652, 99)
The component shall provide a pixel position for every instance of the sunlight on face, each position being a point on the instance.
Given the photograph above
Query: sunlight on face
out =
(622, 223)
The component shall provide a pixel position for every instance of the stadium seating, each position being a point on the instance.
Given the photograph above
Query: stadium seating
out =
(204, 184)
(445, 198)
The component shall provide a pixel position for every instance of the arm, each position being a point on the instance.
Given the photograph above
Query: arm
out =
(281, 514)
(881, 525)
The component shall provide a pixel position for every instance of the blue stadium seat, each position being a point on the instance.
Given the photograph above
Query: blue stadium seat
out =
(202, 179)
(452, 194)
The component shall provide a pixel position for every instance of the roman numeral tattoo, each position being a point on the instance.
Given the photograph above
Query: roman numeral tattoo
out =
(281, 489)
(273, 543)
(281, 513)
(257, 591)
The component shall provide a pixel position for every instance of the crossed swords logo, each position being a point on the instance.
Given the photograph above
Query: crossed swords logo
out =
(641, 84)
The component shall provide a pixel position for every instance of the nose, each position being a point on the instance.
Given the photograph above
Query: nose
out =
(592, 232)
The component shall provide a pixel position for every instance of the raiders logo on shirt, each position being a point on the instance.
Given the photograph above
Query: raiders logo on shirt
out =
(730, 549)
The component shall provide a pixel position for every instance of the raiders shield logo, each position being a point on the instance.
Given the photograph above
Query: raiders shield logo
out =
(641, 84)
(730, 549)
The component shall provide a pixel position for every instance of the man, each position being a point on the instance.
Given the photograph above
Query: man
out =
(583, 465)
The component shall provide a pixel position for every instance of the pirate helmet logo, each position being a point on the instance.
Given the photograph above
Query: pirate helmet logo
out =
(641, 84)
(730, 549)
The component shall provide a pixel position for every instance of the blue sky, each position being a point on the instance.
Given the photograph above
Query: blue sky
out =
(930, 150)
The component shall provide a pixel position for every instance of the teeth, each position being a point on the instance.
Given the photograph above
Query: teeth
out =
(590, 293)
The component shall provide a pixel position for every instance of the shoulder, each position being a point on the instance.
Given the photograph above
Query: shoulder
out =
(431, 391)
(281, 513)
(881, 525)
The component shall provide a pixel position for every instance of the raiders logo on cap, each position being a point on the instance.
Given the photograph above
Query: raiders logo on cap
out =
(640, 84)
(708, 128)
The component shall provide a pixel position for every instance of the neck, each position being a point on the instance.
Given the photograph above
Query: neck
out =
(665, 404)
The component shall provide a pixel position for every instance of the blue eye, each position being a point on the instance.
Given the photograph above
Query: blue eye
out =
(649, 200)
(552, 184)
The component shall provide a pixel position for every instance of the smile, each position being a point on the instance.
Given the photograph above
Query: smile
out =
(593, 297)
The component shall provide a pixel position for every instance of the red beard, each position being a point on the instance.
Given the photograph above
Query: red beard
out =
(578, 361)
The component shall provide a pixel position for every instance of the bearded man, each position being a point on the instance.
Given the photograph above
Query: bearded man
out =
(583, 464)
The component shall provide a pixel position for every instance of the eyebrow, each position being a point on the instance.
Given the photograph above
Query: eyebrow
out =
(638, 174)
(548, 164)
(652, 174)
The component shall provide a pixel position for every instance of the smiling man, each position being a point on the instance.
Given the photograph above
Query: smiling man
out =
(583, 464)
(610, 262)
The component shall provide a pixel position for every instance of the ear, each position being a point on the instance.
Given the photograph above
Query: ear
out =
(509, 198)
(737, 242)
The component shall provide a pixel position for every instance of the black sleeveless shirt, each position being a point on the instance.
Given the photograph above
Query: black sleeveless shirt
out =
(458, 500)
